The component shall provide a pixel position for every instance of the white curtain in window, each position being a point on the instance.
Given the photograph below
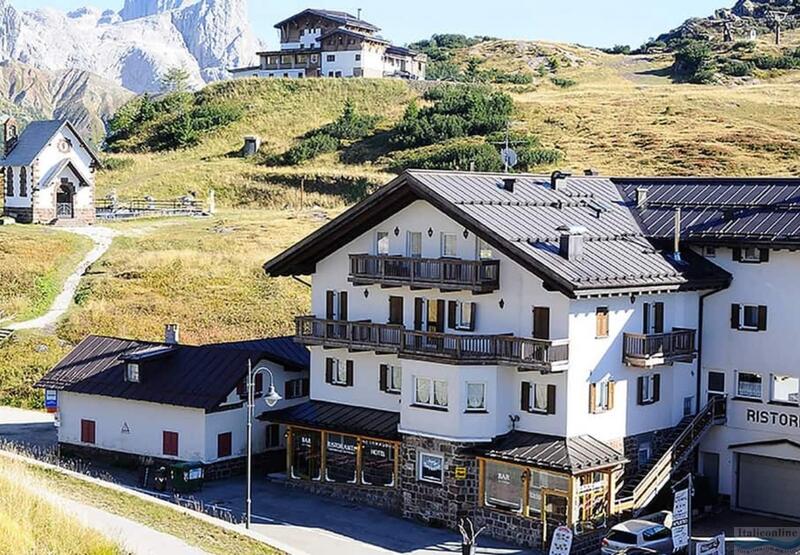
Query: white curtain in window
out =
(423, 391)
(540, 396)
(475, 396)
(440, 393)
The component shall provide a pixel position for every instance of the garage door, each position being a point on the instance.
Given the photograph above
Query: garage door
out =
(769, 485)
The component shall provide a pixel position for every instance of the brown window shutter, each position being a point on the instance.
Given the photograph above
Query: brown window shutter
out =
(419, 305)
(640, 390)
(592, 398)
(306, 387)
(659, 324)
(602, 321)
(737, 254)
(349, 371)
(611, 385)
(646, 318)
(224, 445)
(384, 377)
(525, 397)
(656, 388)
(440, 315)
(451, 314)
(329, 302)
(396, 310)
(551, 399)
(541, 322)
(328, 370)
(473, 315)
(762, 318)
(343, 305)
(763, 255)
(287, 389)
(735, 316)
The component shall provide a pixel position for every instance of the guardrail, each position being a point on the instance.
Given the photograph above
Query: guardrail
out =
(479, 276)
(654, 349)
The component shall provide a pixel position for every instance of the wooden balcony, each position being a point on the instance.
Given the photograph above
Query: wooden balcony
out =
(446, 274)
(658, 349)
(525, 353)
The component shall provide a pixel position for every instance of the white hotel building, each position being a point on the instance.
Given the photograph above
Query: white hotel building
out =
(533, 351)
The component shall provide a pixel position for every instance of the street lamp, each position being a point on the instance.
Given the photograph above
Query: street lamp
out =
(271, 399)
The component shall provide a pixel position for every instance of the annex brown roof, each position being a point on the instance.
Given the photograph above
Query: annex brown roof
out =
(336, 417)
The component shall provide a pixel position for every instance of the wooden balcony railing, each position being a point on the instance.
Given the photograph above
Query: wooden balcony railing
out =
(447, 274)
(655, 349)
(534, 354)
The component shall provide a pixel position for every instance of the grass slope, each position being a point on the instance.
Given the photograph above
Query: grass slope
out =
(34, 263)
(24, 359)
(30, 525)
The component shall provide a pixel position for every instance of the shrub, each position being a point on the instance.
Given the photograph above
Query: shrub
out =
(461, 154)
(738, 68)
(694, 62)
(310, 147)
(350, 125)
(112, 163)
(456, 111)
(618, 49)
(563, 82)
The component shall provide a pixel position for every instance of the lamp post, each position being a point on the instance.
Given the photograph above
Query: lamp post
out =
(271, 398)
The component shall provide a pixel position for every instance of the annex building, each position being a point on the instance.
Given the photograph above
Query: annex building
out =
(534, 351)
(327, 43)
(48, 173)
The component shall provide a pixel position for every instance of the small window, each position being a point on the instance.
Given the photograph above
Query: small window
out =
(330, 58)
(414, 244)
(88, 431)
(430, 393)
(749, 317)
(287, 59)
(358, 57)
(132, 372)
(601, 396)
(476, 397)
(9, 182)
(430, 468)
(382, 242)
(785, 389)
(538, 397)
(751, 254)
(293, 389)
(484, 250)
(338, 372)
(688, 406)
(648, 389)
(643, 454)
(601, 317)
(314, 58)
(710, 252)
(748, 385)
(394, 383)
(273, 433)
(716, 383)
(170, 444)
(449, 245)
(464, 315)
(224, 442)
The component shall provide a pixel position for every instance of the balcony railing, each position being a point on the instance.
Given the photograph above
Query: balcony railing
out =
(446, 274)
(530, 354)
(656, 349)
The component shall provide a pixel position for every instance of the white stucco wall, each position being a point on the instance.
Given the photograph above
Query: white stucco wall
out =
(146, 423)
(773, 284)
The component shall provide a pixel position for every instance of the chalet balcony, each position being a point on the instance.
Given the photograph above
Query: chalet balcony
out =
(526, 353)
(658, 349)
(445, 274)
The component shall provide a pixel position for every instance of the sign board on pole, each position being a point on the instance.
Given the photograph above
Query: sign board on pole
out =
(51, 400)
(562, 541)
(714, 546)
(680, 519)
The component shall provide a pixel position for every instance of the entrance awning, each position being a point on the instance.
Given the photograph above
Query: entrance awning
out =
(573, 455)
(335, 417)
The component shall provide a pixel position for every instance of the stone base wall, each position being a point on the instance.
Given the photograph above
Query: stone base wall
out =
(438, 504)
(510, 527)
(386, 499)
(21, 215)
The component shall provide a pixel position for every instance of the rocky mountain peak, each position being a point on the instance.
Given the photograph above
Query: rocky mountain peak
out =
(135, 9)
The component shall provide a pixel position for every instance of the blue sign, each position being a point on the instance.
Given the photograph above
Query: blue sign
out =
(50, 399)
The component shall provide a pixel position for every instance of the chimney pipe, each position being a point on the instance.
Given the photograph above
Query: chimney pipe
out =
(557, 176)
(172, 334)
(677, 246)
(641, 197)
(591, 172)
(508, 183)
(359, 14)
(571, 242)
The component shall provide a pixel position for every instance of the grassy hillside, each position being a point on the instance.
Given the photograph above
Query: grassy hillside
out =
(34, 262)
(30, 525)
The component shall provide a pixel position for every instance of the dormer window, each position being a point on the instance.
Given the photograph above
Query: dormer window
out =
(132, 373)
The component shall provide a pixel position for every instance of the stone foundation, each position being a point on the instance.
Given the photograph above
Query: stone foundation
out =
(387, 499)
(20, 215)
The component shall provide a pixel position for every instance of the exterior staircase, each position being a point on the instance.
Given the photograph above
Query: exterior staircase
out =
(5, 335)
(675, 449)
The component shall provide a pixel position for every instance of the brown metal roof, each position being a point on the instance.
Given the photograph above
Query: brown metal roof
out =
(523, 224)
(339, 418)
(183, 375)
(574, 455)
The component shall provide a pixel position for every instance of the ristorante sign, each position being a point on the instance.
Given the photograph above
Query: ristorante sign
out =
(772, 418)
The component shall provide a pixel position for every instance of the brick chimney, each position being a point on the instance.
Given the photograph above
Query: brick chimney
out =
(172, 334)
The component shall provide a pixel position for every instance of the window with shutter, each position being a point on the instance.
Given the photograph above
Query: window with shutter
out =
(224, 442)
(541, 398)
(648, 389)
(461, 315)
(170, 444)
(749, 317)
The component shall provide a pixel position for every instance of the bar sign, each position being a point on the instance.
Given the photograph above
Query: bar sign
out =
(51, 400)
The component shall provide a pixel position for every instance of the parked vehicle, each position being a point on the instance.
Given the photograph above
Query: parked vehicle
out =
(630, 536)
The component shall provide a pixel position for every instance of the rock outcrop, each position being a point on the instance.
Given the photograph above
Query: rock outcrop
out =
(135, 47)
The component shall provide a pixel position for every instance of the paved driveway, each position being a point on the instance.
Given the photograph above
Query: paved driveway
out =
(314, 524)
(27, 429)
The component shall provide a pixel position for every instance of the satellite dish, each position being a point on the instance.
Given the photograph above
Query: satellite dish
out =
(509, 157)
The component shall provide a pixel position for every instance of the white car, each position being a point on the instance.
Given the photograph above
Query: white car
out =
(637, 533)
